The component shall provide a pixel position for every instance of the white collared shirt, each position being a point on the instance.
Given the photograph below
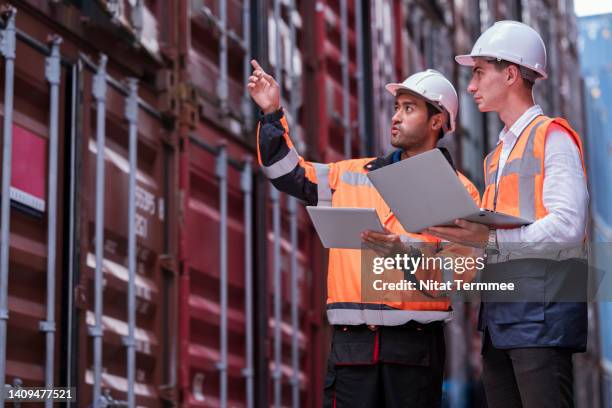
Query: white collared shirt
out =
(565, 194)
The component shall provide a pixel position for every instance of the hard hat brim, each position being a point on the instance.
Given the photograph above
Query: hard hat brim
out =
(392, 88)
(466, 60)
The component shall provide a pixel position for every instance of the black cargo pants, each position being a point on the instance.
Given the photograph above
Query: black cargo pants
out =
(386, 366)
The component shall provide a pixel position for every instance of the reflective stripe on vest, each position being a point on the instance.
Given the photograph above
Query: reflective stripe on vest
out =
(356, 179)
(324, 193)
(346, 303)
(526, 167)
(340, 313)
(283, 166)
(521, 182)
(541, 251)
(515, 165)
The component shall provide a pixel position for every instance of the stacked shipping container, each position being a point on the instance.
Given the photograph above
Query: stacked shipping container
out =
(595, 39)
(99, 115)
(245, 328)
(335, 77)
(87, 307)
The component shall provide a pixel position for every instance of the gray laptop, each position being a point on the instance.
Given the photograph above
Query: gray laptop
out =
(341, 227)
(424, 191)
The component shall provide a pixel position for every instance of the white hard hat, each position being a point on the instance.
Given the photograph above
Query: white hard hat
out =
(434, 88)
(510, 41)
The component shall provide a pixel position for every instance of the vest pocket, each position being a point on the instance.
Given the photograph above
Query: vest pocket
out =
(511, 312)
(352, 345)
(528, 278)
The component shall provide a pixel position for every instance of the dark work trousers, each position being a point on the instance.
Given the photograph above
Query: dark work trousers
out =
(537, 377)
(386, 366)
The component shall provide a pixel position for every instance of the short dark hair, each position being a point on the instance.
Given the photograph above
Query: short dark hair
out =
(527, 75)
(434, 110)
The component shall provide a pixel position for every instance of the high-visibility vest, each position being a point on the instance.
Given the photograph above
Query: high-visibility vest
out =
(521, 183)
(345, 184)
(537, 322)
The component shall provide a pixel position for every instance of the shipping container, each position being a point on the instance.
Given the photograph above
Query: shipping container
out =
(472, 126)
(337, 79)
(91, 301)
(597, 363)
(155, 282)
(251, 296)
(596, 67)
(31, 281)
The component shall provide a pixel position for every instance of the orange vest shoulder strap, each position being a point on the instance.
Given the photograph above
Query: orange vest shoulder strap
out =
(543, 131)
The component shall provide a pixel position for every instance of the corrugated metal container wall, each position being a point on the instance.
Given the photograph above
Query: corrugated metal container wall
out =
(136, 287)
(27, 267)
(332, 86)
(155, 281)
(596, 54)
(415, 36)
(471, 130)
(251, 300)
(605, 316)
(384, 68)
(594, 367)
(571, 80)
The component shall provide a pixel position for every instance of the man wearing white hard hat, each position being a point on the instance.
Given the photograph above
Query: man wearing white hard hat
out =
(383, 353)
(536, 171)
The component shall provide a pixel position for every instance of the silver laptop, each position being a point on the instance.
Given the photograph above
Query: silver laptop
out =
(424, 191)
(341, 227)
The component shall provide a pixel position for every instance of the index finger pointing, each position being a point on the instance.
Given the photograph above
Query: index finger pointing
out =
(256, 65)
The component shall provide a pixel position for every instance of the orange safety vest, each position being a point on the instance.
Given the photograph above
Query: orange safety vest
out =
(345, 184)
(521, 183)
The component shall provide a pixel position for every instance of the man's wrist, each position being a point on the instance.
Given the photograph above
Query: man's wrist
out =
(270, 110)
(492, 246)
(272, 116)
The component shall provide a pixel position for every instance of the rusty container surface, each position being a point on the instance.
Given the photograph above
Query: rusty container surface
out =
(27, 284)
(155, 283)
(173, 49)
(205, 127)
(200, 310)
(325, 87)
(84, 34)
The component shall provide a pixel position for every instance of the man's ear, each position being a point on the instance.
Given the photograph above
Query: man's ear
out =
(438, 121)
(512, 74)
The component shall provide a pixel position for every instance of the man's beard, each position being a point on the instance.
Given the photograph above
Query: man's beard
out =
(406, 141)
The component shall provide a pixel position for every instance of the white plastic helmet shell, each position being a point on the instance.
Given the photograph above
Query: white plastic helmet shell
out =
(510, 41)
(433, 87)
